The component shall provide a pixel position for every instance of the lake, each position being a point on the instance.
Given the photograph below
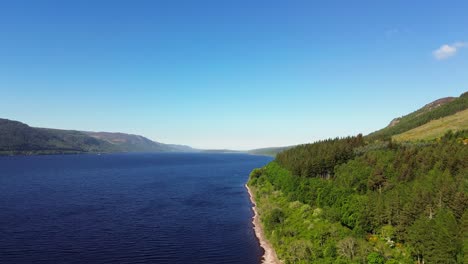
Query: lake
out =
(127, 208)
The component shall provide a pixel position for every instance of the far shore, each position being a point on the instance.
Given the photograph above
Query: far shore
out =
(269, 257)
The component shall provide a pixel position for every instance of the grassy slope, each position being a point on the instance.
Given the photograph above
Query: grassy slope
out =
(421, 117)
(436, 128)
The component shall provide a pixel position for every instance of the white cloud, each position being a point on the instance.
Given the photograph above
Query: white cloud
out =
(448, 50)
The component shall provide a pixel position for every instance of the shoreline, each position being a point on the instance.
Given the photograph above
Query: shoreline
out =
(269, 256)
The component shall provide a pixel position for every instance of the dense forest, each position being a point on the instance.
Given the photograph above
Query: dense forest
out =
(352, 200)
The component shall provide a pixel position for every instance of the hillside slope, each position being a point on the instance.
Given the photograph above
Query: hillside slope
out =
(369, 200)
(19, 138)
(130, 142)
(432, 111)
(436, 128)
(16, 137)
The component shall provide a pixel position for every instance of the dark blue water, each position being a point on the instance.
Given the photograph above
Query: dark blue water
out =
(127, 208)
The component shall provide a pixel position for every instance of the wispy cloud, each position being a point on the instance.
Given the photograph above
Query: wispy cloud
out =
(448, 50)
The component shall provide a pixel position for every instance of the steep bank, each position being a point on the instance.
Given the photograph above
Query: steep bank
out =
(269, 257)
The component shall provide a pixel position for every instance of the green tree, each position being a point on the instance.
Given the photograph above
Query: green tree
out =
(375, 258)
(420, 238)
(464, 229)
(274, 218)
(446, 237)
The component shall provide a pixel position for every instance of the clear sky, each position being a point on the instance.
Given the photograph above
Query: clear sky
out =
(228, 74)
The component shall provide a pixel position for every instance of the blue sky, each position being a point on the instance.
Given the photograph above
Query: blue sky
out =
(228, 74)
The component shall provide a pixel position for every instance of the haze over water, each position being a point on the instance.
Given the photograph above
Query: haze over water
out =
(127, 208)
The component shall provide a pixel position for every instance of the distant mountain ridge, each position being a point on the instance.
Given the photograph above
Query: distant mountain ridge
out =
(19, 138)
(130, 142)
(429, 122)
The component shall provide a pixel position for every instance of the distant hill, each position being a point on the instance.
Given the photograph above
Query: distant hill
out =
(438, 109)
(261, 151)
(129, 142)
(19, 138)
(221, 151)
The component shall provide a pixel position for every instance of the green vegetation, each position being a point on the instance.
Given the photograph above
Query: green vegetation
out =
(320, 158)
(19, 138)
(370, 199)
(436, 128)
(347, 201)
(422, 116)
(268, 151)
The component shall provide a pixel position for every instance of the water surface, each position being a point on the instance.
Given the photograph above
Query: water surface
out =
(127, 208)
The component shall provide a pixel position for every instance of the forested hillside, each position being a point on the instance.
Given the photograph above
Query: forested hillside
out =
(372, 199)
(128, 142)
(348, 201)
(19, 138)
